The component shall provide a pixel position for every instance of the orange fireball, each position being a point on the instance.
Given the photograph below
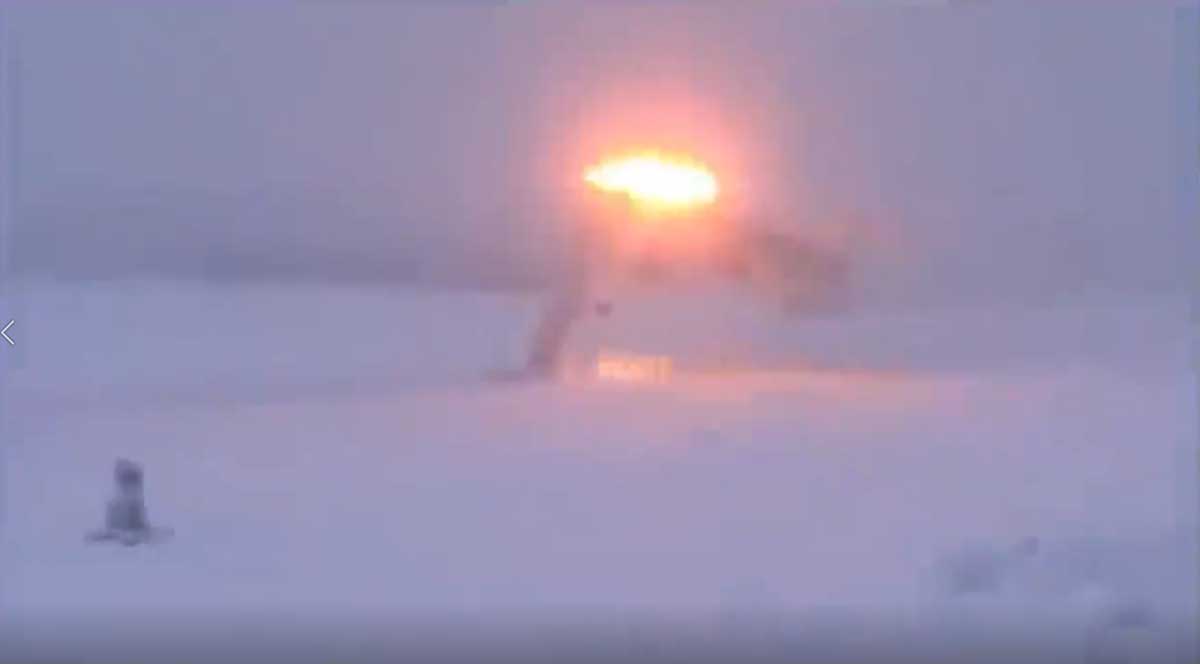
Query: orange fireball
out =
(656, 181)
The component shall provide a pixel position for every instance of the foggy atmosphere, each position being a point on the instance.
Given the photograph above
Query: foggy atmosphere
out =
(636, 330)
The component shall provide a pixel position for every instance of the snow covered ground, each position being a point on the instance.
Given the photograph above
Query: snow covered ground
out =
(329, 458)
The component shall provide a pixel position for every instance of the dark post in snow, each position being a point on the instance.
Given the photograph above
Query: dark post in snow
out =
(127, 508)
(125, 514)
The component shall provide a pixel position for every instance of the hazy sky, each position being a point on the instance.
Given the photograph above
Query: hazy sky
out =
(995, 148)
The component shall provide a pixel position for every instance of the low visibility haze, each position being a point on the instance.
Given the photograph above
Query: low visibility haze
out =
(444, 143)
(314, 272)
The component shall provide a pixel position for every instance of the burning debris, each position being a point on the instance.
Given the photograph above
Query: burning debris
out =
(632, 368)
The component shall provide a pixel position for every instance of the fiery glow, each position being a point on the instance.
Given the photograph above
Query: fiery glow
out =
(629, 368)
(656, 180)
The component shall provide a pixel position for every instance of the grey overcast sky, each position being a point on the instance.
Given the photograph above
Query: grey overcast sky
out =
(1003, 148)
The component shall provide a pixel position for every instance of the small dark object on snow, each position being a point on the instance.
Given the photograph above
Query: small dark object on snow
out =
(125, 514)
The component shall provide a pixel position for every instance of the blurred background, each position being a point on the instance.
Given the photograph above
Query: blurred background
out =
(277, 252)
(988, 151)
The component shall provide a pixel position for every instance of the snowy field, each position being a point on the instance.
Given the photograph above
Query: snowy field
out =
(960, 482)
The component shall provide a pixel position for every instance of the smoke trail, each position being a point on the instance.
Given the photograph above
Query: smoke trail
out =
(800, 276)
(567, 303)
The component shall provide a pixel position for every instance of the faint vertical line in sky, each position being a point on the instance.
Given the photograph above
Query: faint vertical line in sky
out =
(1186, 145)
(1187, 155)
(5, 204)
(7, 139)
(1187, 124)
(10, 186)
(10, 142)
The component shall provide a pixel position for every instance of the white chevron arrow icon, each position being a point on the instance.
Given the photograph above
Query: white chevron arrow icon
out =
(4, 333)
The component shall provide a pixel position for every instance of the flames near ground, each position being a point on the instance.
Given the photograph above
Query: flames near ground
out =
(666, 228)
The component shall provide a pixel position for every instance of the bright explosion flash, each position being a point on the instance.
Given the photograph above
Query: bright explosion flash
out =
(655, 180)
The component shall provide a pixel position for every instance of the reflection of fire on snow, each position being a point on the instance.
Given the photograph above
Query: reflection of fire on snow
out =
(630, 368)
